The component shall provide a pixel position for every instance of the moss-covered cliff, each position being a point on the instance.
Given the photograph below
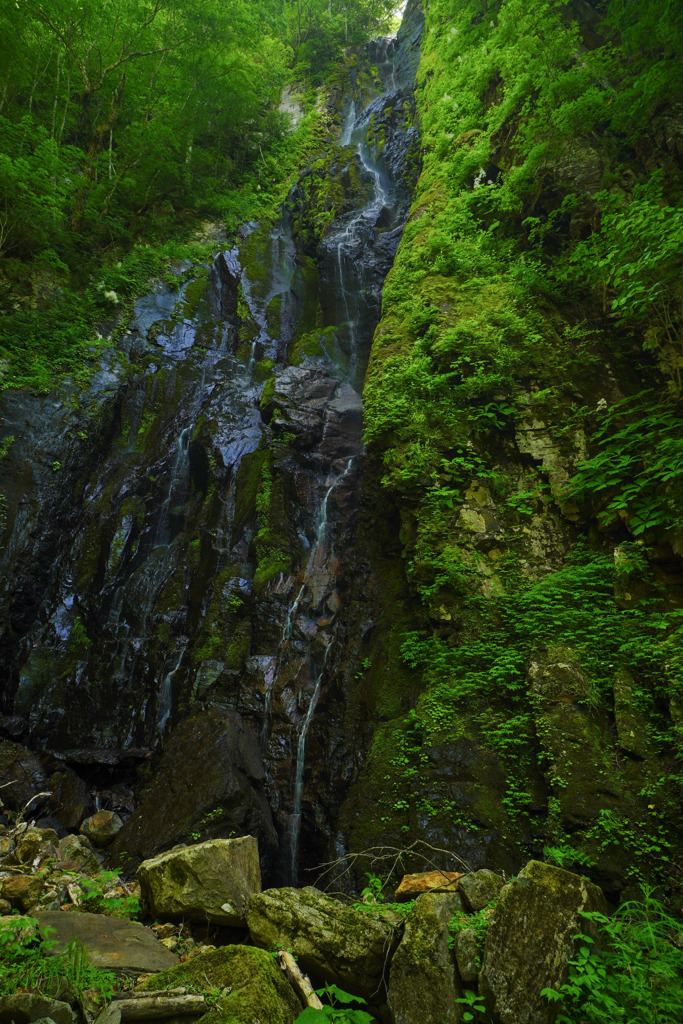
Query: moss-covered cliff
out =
(523, 400)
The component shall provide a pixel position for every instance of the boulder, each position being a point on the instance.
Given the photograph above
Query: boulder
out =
(111, 943)
(467, 955)
(530, 940)
(423, 981)
(479, 888)
(36, 844)
(253, 987)
(102, 827)
(76, 849)
(23, 1008)
(338, 943)
(23, 891)
(210, 779)
(427, 881)
(208, 882)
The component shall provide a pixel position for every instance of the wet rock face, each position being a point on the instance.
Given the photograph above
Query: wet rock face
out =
(209, 781)
(174, 537)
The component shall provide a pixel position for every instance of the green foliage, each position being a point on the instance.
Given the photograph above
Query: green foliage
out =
(373, 902)
(637, 471)
(339, 1009)
(474, 1003)
(100, 896)
(27, 963)
(633, 975)
(478, 922)
(565, 856)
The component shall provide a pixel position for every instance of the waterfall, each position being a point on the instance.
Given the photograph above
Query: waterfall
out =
(206, 533)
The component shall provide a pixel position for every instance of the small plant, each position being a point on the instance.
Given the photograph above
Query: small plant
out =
(474, 1002)
(338, 1011)
(100, 896)
(564, 855)
(372, 901)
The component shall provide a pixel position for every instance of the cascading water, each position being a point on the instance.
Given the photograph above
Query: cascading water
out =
(203, 563)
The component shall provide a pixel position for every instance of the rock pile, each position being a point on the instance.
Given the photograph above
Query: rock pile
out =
(210, 954)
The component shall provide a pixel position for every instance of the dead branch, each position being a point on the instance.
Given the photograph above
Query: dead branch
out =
(25, 809)
(375, 856)
(142, 1008)
(299, 982)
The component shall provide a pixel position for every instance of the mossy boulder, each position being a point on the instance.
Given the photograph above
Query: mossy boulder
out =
(423, 983)
(330, 940)
(208, 882)
(253, 987)
(530, 941)
(479, 888)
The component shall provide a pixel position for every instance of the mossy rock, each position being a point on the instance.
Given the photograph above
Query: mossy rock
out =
(257, 988)
(331, 941)
(424, 983)
(530, 941)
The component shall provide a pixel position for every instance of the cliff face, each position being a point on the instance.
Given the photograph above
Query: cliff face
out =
(523, 415)
(179, 550)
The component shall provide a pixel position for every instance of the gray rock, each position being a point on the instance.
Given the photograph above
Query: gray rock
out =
(21, 775)
(23, 1008)
(423, 982)
(529, 941)
(467, 954)
(208, 882)
(479, 888)
(343, 945)
(111, 942)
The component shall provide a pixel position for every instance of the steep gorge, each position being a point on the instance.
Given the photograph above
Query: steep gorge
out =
(433, 637)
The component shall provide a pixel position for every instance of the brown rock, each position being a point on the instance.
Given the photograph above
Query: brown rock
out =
(427, 881)
(23, 891)
(101, 828)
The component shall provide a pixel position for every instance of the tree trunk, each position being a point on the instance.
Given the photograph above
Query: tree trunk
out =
(95, 142)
